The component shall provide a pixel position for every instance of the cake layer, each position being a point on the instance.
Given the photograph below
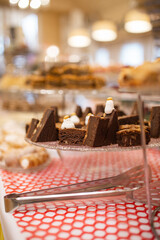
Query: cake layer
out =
(71, 136)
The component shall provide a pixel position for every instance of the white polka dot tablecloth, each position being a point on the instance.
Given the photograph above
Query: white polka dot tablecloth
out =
(110, 218)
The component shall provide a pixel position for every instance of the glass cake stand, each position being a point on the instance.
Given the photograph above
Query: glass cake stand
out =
(136, 94)
(114, 147)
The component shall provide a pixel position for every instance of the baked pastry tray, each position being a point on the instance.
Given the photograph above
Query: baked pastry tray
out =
(55, 145)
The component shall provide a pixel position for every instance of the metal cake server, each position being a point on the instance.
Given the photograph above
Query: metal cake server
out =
(130, 180)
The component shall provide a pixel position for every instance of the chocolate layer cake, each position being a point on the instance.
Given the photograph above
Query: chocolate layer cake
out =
(96, 131)
(155, 122)
(32, 126)
(46, 130)
(71, 136)
(131, 119)
(131, 137)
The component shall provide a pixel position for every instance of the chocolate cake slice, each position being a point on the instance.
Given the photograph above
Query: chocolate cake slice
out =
(119, 111)
(96, 131)
(99, 108)
(32, 127)
(113, 127)
(26, 127)
(101, 114)
(155, 122)
(87, 110)
(56, 113)
(131, 119)
(78, 111)
(71, 136)
(46, 130)
(131, 137)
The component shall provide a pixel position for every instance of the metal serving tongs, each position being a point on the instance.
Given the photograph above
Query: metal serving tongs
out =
(129, 180)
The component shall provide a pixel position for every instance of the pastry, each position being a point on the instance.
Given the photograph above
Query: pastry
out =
(56, 113)
(79, 111)
(26, 127)
(13, 147)
(101, 131)
(87, 110)
(155, 122)
(131, 137)
(46, 129)
(113, 127)
(132, 126)
(33, 159)
(96, 131)
(99, 108)
(71, 136)
(131, 119)
(32, 127)
(147, 74)
(36, 81)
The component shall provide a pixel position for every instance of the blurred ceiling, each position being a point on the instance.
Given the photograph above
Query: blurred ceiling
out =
(153, 8)
(111, 9)
(114, 10)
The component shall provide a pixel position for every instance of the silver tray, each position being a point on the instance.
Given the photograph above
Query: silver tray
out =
(55, 145)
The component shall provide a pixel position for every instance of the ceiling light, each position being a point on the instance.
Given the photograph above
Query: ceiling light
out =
(45, 2)
(137, 22)
(35, 4)
(104, 31)
(52, 51)
(79, 38)
(23, 3)
(13, 1)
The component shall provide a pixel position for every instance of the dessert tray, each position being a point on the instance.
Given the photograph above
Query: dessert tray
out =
(55, 145)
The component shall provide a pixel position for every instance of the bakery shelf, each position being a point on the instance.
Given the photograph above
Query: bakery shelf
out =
(151, 91)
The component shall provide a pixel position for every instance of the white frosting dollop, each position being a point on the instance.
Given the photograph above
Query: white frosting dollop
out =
(109, 106)
(75, 119)
(67, 123)
(87, 119)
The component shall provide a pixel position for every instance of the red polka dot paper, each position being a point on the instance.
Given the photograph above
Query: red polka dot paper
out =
(107, 218)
